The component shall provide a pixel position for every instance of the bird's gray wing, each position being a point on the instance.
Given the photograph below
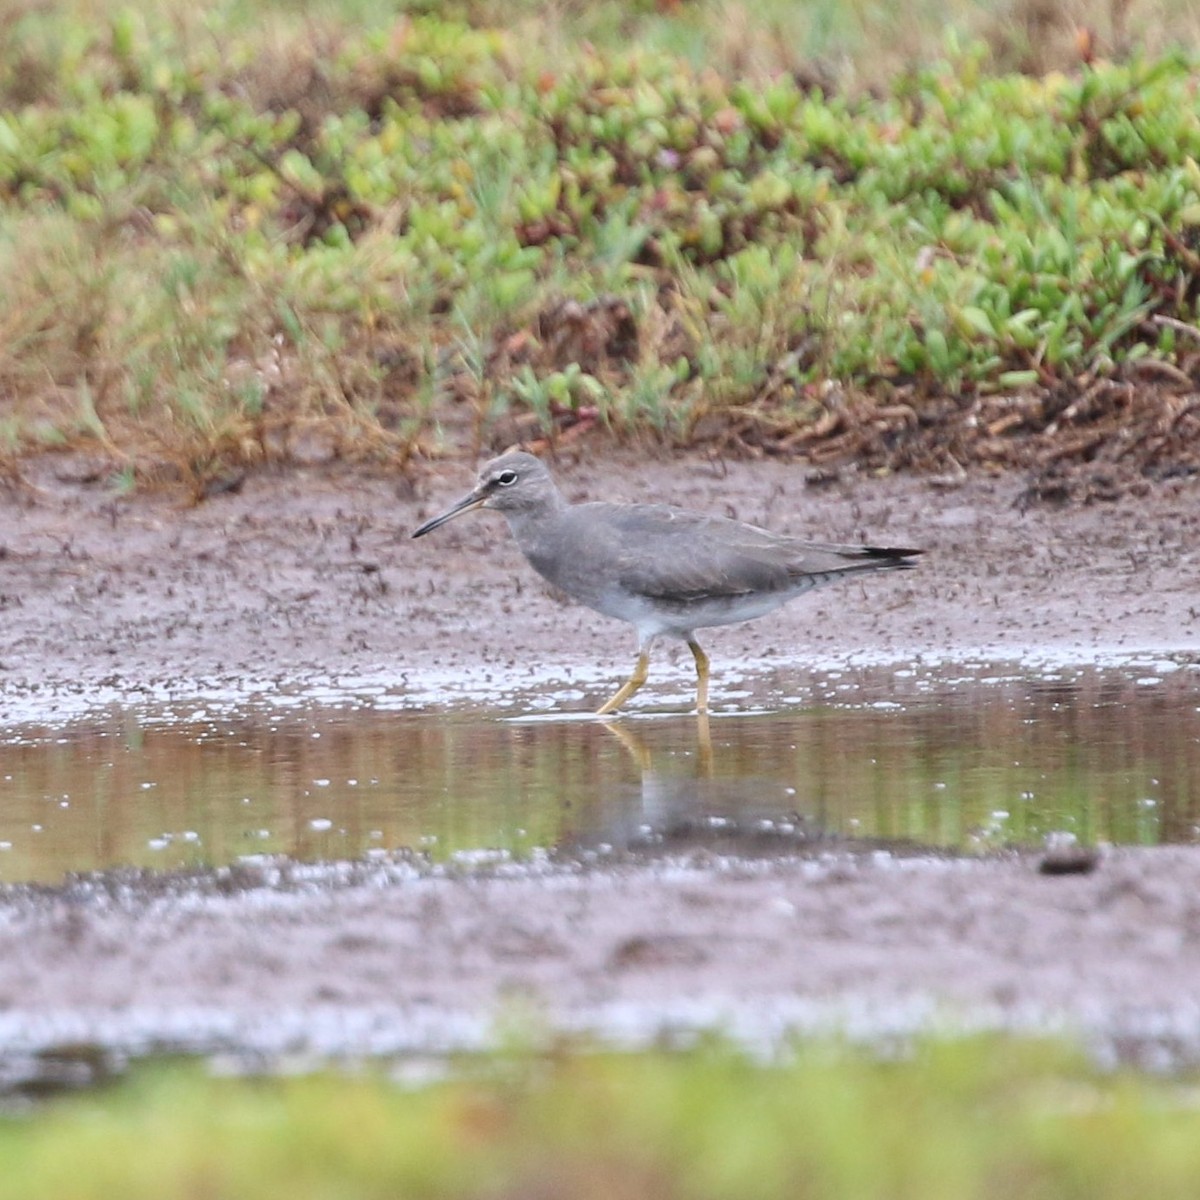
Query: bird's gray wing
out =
(662, 552)
(669, 553)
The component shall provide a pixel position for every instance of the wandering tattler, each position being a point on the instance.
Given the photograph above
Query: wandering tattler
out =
(664, 570)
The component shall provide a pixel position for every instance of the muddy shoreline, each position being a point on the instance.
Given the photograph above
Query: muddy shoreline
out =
(315, 963)
(308, 580)
(311, 575)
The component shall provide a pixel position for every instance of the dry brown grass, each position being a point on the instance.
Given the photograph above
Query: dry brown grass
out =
(189, 330)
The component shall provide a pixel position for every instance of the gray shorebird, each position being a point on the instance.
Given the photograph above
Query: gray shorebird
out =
(666, 571)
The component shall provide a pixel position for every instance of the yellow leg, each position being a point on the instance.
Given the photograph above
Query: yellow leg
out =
(701, 676)
(630, 686)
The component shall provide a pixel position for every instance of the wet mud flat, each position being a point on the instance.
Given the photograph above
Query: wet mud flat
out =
(309, 579)
(308, 582)
(274, 963)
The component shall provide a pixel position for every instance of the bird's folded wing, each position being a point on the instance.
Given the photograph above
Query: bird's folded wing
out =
(670, 554)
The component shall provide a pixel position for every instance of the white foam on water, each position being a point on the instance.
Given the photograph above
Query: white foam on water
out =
(541, 691)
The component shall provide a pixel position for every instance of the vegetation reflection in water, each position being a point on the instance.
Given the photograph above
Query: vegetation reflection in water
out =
(1105, 759)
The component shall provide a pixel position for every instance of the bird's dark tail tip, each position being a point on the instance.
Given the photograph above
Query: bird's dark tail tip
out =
(891, 556)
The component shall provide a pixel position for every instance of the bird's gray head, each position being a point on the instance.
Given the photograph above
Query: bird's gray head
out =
(513, 483)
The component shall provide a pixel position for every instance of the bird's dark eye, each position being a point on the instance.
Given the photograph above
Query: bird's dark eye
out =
(506, 478)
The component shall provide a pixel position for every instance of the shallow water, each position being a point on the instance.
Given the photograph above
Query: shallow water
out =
(1100, 755)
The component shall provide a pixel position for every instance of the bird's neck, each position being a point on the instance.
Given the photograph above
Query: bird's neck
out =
(537, 529)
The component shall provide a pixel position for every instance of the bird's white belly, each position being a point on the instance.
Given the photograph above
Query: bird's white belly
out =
(679, 619)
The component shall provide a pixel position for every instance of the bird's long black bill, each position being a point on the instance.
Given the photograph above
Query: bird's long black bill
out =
(468, 502)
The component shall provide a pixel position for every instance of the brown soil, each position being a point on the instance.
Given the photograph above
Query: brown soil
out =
(312, 573)
(311, 577)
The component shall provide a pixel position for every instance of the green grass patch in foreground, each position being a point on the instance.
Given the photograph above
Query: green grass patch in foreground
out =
(956, 1119)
